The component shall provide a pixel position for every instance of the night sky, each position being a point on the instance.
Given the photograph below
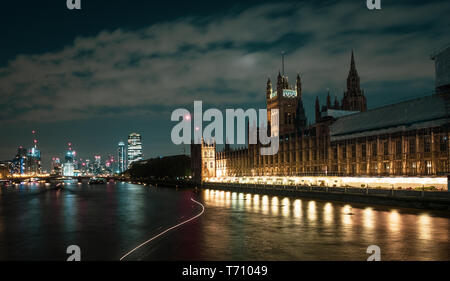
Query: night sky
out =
(93, 76)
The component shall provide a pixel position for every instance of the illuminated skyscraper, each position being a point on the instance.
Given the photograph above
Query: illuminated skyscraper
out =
(56, 166)
(121, 158)
(70, 154)
(110, 164)
(89, 167)
(134, 152)
(34, 157)
(20, 161)
(68, 167)
(97, 164)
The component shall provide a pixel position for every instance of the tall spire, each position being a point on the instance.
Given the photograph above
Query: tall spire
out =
(336, 103)
(268, 88)
(35, 141)
(300, 116)
(328, 99)
(352, 63)
(299, 86)
(282, 61)
(354, 98)
(317, 109)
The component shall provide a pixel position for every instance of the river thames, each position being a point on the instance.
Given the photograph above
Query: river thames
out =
(107, 221)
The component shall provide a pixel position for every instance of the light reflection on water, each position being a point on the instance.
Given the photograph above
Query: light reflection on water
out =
(305, 229)
(328, 213)
(297, 208)
(274, 205)
(424, 227)
(265, 204)
(286, 207)
(312, 211)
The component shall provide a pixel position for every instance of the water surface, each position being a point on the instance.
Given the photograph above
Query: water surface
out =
(106, 221)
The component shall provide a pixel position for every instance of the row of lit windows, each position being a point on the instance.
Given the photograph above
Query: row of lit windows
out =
(424, 142)
(412, 168)
(443, 147)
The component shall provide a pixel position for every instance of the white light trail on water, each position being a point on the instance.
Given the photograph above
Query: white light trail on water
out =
(167, 230)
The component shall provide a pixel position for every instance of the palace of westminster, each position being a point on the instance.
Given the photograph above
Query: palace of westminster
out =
(410, 138)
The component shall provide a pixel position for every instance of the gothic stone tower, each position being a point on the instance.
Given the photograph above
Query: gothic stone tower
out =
(288, 101)
(203, 160)
(354, 99)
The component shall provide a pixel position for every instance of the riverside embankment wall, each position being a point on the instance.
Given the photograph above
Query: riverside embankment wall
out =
(433, 200)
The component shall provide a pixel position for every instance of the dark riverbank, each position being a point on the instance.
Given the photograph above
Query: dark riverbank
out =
(172, 183)
(429, 200)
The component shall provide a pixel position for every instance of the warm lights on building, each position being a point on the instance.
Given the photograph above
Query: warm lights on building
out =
(360, 182)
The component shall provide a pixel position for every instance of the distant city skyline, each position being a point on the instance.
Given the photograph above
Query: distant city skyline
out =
(70, 154)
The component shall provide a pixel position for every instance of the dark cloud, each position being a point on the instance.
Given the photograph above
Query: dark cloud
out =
(225, 59)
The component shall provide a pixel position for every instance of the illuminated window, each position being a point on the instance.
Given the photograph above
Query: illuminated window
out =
(412, 146)
(363, 168)
(398, 147)
(428, 167)
(443, 143)
(427, 144)
(373, 168)
(412, 167)
(443, 166)
(386, 167)
(398, 167)
(289, 93)
(363, 150)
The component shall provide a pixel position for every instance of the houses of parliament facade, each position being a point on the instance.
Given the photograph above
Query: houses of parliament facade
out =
(409, 138)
